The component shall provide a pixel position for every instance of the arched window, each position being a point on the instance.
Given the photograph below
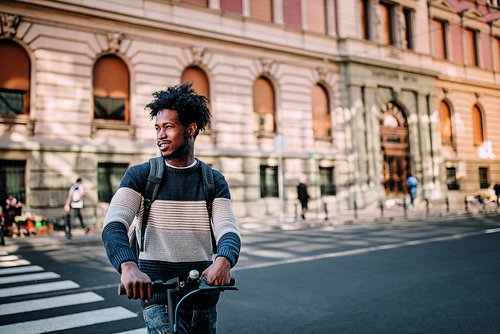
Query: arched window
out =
(14, 79)
(198, 78)
(199, 81)
(111, 89)
(445, 120)
(477, 126)
(321, 112)
(264, 105)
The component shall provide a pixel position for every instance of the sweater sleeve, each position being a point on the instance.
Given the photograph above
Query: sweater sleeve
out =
(226, 228)
(125, 206)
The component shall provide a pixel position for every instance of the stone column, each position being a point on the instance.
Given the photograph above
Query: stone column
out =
(358, 138)
(438, 177)
(425, 147)
(278, 11)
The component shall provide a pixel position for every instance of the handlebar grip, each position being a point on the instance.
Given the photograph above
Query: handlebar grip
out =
(232, 282)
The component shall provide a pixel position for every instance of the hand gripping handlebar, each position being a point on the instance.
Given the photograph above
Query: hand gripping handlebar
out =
(193, 283)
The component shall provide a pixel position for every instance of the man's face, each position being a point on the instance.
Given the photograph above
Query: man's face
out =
(172, 138)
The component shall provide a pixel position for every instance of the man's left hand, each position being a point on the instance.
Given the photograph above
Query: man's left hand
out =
(219, 273)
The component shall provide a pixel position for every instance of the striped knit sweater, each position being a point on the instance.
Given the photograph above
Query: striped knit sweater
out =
(177, 237)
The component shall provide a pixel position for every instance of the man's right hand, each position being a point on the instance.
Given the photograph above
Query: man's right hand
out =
(137, 284)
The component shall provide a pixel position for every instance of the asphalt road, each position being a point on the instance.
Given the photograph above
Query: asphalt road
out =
(414, 277)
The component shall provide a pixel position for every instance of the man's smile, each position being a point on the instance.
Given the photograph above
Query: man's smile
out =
(163, 144)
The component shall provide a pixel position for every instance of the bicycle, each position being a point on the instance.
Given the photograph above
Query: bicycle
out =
(194, 284)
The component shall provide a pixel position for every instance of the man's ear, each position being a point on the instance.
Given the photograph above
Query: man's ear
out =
(192, 130)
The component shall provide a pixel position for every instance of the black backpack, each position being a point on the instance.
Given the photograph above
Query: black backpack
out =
(156, 171)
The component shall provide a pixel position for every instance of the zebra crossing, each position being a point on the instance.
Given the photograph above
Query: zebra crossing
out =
(16, 277)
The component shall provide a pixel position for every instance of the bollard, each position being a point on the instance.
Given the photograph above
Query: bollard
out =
(381, 205)
(355, 210)
(466, 204)
(447, 202)
(405, 208)
(296, 211)
(325, 207)
(427, 207)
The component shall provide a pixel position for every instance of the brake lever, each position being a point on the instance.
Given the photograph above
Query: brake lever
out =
(205, 287)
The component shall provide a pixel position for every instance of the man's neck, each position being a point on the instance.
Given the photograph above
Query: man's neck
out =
(180, 167)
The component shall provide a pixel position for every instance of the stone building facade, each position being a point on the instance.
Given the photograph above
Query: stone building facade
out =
(355, 95)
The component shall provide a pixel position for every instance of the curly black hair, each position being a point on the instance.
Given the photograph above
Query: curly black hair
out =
(190, 106)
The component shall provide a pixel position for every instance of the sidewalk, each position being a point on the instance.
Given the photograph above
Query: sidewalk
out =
(365, 216)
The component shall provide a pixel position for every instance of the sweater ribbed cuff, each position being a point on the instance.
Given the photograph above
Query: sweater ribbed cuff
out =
(121, 256)
(228, 254)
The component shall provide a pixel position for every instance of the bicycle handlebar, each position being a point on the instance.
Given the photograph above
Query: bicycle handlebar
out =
(201, 284)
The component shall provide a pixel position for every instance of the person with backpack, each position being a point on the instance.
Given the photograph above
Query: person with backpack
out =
(179, 226)
(73, 207)
(303, 196)
(411, 185)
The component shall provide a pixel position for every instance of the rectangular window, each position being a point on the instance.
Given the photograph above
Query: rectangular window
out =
(292, 14)
(484, 177)
(109, 108)
(471, 50)
(438, 32)
(364, 19)
(109, 176)
(386, 32)
(12, 102)
(12, 179)
(451, 178)
(268, 181)
(408, 15)
(327, 181)
(233, 6)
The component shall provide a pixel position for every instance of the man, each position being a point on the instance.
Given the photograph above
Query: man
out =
(178, 235)
(411, 184)
(303, 196)
(74, 205)
(496, 188)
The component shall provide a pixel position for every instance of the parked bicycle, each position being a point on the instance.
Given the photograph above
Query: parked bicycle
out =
(193, 284)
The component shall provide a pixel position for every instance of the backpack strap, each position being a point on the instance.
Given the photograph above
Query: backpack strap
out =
(156, 168)
(208, 186)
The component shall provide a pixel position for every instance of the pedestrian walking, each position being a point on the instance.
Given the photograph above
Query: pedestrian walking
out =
(411, 185)
(73, 207)
(176, 235)
(496, 188)
(12, 208)
(303, 196)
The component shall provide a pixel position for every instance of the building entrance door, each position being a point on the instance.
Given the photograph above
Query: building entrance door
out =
(395, 148)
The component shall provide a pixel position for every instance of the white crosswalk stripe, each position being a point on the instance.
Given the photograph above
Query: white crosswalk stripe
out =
(9, 264)
(48, 303)
(15, 271)
(20, 270)
(28, 277)
(69, 321)
(135, 331)
(38, 288)
(8, 258)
